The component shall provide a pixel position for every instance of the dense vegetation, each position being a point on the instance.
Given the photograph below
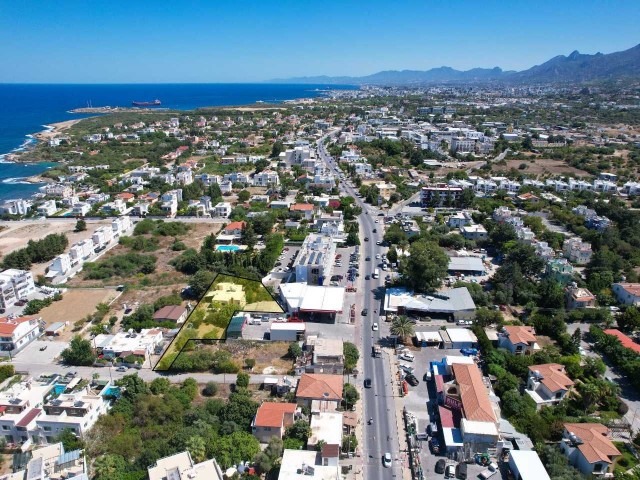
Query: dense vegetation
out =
(36, 251)
(123, 265)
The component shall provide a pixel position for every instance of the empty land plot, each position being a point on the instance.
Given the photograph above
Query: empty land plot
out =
(75, 305)
(540, 166)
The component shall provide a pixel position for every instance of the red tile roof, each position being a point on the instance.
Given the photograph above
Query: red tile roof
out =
(234, 226)
(8, 326)
(271, 414)
(29, 417)
(320, 386)
(553, 376)
(624, 340)
(473, 393)
(596, 445)
(301, 207)
(520, 334)
(631, 288)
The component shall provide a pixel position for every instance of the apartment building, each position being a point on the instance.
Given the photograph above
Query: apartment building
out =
(577, 251)
(15, 285)
(315, 260)
(439, 195)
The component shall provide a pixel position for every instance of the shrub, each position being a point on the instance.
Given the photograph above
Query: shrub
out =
(242, 380)
(210, 389)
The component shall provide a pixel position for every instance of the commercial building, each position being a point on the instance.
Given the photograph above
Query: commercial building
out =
(453, 304)
(17, 333)
(588, 447)
(458, 338)
(181, 466)
(466, 266)
(526, 465)
(547, 384)
(385, 190)
(272, 419)
(440, 195)
(301, 298)
(315, 260)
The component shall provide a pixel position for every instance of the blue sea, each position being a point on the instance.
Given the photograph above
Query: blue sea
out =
(28, 109)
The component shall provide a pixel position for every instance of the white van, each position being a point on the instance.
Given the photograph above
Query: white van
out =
(376, 273)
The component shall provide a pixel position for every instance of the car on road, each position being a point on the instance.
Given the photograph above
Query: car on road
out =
(375, 230)
(374, 326)
(386, 460)
(367, 277)
(440, 465)
(367, 383)
(366, 239)
(378, 242)
(365, 312)
(378, 256)
(368, 259)
(450, 471)
(412, 380)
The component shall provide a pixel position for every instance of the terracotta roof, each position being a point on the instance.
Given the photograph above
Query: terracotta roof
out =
(271, 414)
(330, 450)
(28, 418)
(553, 376)
(350, 419)
(8, 326)
(624, 340)
(631, 288)
(169, 312)
(126, 195)
(234, 226)
(473, 393)
(316, 385)
(596, 445)
(520, 334)
(301, 207)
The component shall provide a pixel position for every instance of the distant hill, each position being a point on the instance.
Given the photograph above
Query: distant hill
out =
(576, 67)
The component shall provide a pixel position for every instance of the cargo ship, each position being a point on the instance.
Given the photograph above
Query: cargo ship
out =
(155, 103)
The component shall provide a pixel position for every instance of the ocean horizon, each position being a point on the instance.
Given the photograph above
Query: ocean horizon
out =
(29, 108)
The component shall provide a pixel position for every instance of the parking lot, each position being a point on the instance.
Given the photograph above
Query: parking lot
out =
(421, 400)
(35, 354)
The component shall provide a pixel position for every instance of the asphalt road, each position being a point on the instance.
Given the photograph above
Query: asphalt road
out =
(381, 435)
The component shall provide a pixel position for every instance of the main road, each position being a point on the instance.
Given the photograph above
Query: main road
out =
(381, 436)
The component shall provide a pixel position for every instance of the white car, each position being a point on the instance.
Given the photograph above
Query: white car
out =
(374, 326)
(386, 460)
(378, 256)
(407, 356)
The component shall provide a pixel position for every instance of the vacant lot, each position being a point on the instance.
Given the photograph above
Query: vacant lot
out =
(75, 305)
(270, 357)
(540, 166)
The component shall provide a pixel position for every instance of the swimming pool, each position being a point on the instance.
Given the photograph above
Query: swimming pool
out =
(58, 389)
(111, 392)
(227, 248)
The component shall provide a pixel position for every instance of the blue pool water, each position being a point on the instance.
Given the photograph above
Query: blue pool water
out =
(227, 248)
(58, 389)
(111, 392)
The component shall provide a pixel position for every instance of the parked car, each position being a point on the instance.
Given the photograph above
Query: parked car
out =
(434, 445)
(121, 369)
(409, 357)
(412, 380)
(440, 465)
(450, 471)
(432, 429)
(469, 352)
(406, 368)
(461, 471)
(374, 326)
(365, 312)
(489, 472)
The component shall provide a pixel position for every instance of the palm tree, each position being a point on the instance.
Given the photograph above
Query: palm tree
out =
(402, 327)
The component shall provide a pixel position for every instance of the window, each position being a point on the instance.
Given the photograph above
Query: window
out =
(5, 427)
(47, 429)
(597, 467)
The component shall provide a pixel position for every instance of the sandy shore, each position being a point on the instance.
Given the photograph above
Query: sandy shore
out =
(57, 129)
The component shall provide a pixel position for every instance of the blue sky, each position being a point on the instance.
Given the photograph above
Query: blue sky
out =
(120, 41)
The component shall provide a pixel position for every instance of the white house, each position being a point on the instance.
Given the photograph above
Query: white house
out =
(547, 384)
(222, 209)
(80, 209)
(577, 251)
(519, 340)
(15, 207)
(181, 466)
(266, 178)
(102, 236)
(47, 208)
(627, 293)
(15, 285)
(60, 265)
(17, 333)
(588, 447)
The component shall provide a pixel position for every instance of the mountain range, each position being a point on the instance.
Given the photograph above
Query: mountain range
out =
(575, 68)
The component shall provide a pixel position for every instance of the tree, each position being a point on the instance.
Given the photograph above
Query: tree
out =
(243, 195)
(392, 255)
(267, 460)
(629, 320)
(350, 396)
(79, 352)
(349, 443)
(242, 380)
(110, 466)
(200, 283)
(197, 448)
(402, 327)
(249, 237)
(232, 449)
(81, 226)
(278, 147)
(351, 356)
(210, 389)
(300, 430)
(294, 351)
(550, 293)
(69, 440)
(426, 266)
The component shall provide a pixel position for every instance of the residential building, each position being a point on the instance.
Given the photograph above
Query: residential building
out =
(627, 293)
(579, 298)
(326, 427)
(47, 208)
(385, 190)
(20, 405)
(588, 447)
(559, 270)
(272, 419)
(306, 210)
(544, 251)
(319, 391)
(548, 384)
(327, 357)
(117, 207)
(77, 411)
(102, 236)
(266, 178)
(474, 232)
(171, 313)
(222, 209)
(60, 265)
(315, 260)
(169, 201)
(311, 465)
(577, 251)
(519, 340)
(80, 209)
(15, 285)
(460, 219)
(232, 232)
(15, 207)
(227, 292)
(17, 333)
(121, 225)
(124, 344)
(49, 462)
(181, 466)
(440, 195)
